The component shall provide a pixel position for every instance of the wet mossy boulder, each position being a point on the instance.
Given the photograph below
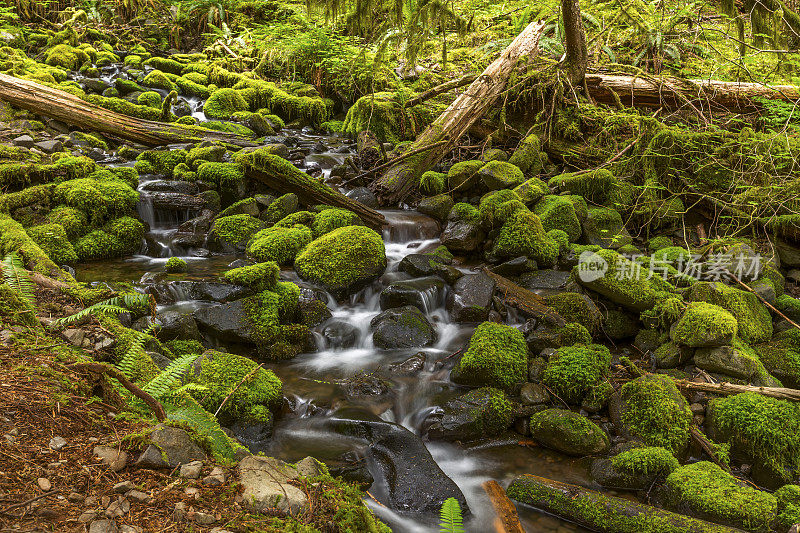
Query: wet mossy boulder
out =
(159, 161)
(343, 260)
(99, 199)
(432, 183)
(753, 318)
(594, 185)
(463, 233)
(497, 206)
(402, 327)
(259, 277)
(463, 175)
(228, 177)
(671, 355)
(618, 279)
(781, 356)
(528, 156)
(252, 398)
(704, 325)
(543, 335)
(176, 265)
(558, 212)
(788, 499)
(280, 208)
(706, 491)
(437, 207)
(232, 233)
(158, 80)
(223, 103)
(53, 240)
(480, 413)
(603, 226)
(651, 409)
(523, 235)
(531, 191)
(497, 356)
(500, 175)
(638, 468)
(574, 371)
(765, 430)
(330, 219)
(568, 433)
(280, 244)
(576, 307)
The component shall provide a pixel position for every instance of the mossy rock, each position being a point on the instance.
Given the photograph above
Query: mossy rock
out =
(603, 226)
(753, 318)
(706, 491)
(497, 356)
(259, 277)
(232, 233)
(463, 175)
(788, 499)
(652, 409)
(594, 185)
(223, 103)
(574, 371)
(280, 208)
(528, 156)
(618, 279)
(343, 260)
(500, 175)
(432, 183)
(53, 240)
(558, 212)
(523, 234)
(279, 244)
(704, 325)
(176, 265)
(781, 356)
(480, 413)
(334, 218)
(568, 433)
(575, 307)
(531, 191)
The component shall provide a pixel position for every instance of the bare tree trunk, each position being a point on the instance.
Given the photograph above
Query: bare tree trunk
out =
(402, 179)
(575, 41)
(70, 109)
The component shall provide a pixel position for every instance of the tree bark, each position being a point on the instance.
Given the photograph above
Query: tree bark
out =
(781, 393)
(507, 517)
(401, 180)
(672, 93)
(601, 512)
(57, 104)
(575, 41)
(369, 150)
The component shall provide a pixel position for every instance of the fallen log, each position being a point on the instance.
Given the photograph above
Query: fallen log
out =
(439, 89)
(671, 93)
(780, 393)
(600, 512)
(60, 105)
(369, 150)
(526, 301)
(281, 175)
(507, 517)
(401, 180)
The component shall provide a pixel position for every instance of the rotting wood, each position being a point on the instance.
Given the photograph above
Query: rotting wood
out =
(439, 89)
(725, 388)
(100, 368)
(704, 443)
(507, 517)
(602, 512)
(526, 301)
(60, 105)
(401, 180)
(279, 174)
(369, 150)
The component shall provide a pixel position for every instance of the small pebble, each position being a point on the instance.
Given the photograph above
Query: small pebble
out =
(44, 484)
(57, 443)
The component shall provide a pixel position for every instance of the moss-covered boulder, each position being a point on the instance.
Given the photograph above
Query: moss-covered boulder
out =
(781, 356)
(334, 218)
(343, 260)
(576, 307)
(594, 185)
(500, 175)
(464, 174)
(753, 318)
(765, 430)
(652, 409)
(280, 244)
(558, 212)
(232, 233)
(223, 103)
(259, 277)
(706, 491)
(175, 265)
(531, 191)
(617, 278)
(280, 208)
(574, 371)
(254, 393)
(53, 240)
(523, 235)
(704, 325)
(480, 413)
(497, 356)
(528, 156)
(402, 327)
(788, 499)
(568, 432)
(603, 226)
(638, 468)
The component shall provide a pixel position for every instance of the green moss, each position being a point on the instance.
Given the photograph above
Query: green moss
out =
(223, 103)
(622, 281)
(157, 80)
(532, 190)
(14, 309)
(343, 258)
(209, 153)
(99, 199)
(72, 220)
(383, 114)
(66, 56)
(281, 207)
(766, 429)
(647, 461)
(657, 243)
(656, 412)
(500, 175)
(279, 244)
(528, 156)
(788, 499)
(229, 177)
(305, 218)
(52, 239)
(150, 99)
(17, 175)
(523, 234)
(97, 245)
(236, 229)
(573, 371)
(463, 174)
(432, 183)
(128, 232)
(331, 219)
(124, 107)
(165, 64)
(575, 434)
(13, 238)
(259, 277)
(179, 348)
(578, 308)
(497, 357)
(222, 373)
(159, 161)
(594, 185)
(558, 212)
(704, 324)
(496, 207)
(755, 322)
(707, 490)
(176, 265)
(190, 87)
(781, 356)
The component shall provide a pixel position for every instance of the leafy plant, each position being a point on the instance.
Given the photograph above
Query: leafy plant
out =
(450, 516)
(17, 278)
(112, 306)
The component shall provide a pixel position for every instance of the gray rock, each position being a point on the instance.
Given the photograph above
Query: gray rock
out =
(341, 334)
(264, 484)
(25, 141)
(215, 478)
(112, 457)
(191, 470)
(471, 298)
(364, 196)
(124, 486)
(404, 327)
(473, 415)
(103, 526)
(462, 236)
(174, 325)
(49, 147)
(57, 443)
(420, 264)
(73, 336)
(426, 294)
(118, 508)
(437, 207)
(137, 496)
(171, 186)
(170, 447)
(534, 394)
(670, 355)
(725, 360)
(227, 321)
(411, 366)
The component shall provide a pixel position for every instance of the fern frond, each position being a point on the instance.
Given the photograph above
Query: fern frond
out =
(450, 515)
(127, 365)
(186, 409)
(169, 378)
(16, 277)
(112, 306)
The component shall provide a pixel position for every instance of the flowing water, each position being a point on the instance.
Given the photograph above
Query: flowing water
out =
(345, 349)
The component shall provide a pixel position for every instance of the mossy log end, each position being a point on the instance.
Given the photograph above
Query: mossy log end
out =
(400, 180)
(671, 93)
(60, 105)
(281, 175)
(601, 512)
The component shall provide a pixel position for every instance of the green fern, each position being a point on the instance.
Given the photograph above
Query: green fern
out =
(183, 408)
(450, 515)
(17, 278)
(127, 363)
(112, 306)
(169, 378)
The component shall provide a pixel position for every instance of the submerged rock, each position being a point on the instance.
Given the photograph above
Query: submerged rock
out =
(403, 327)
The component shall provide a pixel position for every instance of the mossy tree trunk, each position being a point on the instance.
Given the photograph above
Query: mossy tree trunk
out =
(70, 109)
(400, 180)
(575, 41)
